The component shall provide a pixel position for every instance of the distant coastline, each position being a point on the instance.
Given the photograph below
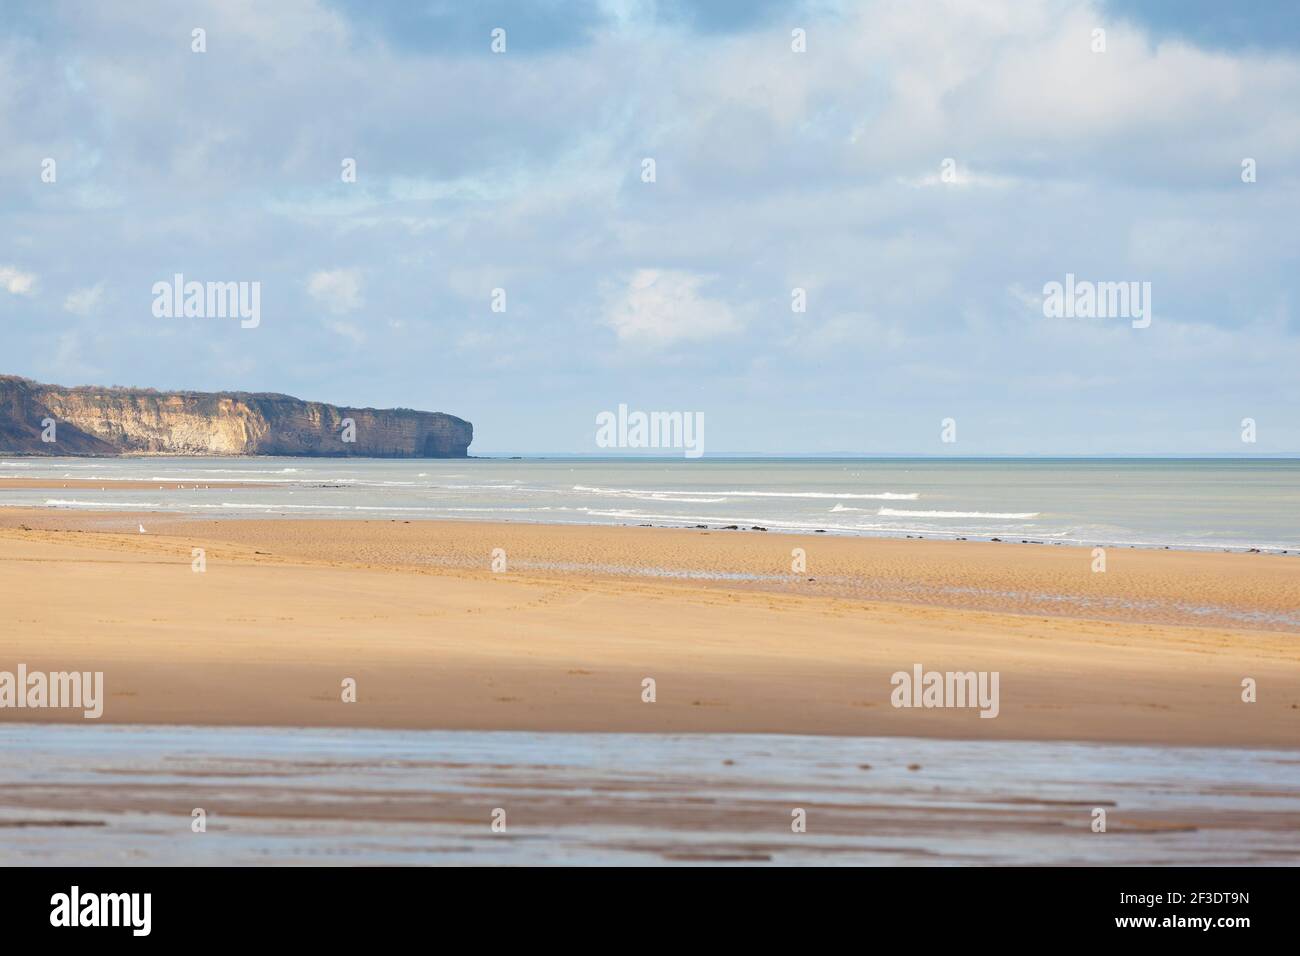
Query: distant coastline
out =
(53, 421)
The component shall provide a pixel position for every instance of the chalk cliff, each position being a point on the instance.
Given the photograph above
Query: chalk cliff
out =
(89, 420)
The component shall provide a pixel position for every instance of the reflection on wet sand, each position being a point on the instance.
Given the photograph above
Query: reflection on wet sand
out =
(116, 795)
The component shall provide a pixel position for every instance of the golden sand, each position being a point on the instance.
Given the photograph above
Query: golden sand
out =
(565, 636)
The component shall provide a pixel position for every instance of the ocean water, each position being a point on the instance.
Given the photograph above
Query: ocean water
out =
(1186, 503)
(124, 795)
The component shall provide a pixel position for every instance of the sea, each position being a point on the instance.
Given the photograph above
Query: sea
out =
(1232, 504)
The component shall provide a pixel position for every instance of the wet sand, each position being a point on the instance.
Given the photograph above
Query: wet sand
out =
(1153, 651)
(127, 795)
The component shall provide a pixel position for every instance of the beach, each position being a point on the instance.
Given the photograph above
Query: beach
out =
(650, 433)
(1153, 650)
(342, 692)
(117, 795)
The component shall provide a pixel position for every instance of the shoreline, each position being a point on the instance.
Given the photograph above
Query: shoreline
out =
(286, 609)
(116, 484)
(1223, 588)
(1240, 504)
(269, 514)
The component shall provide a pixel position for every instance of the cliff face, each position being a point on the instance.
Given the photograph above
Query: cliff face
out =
(119, 421)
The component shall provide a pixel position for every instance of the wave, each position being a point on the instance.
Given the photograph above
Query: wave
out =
(243, 471)
(74, 503)
(265, 507)
(878, 496)
(397, 509)
(772, 524)
(698, 501)
(509, 486)
(899, 513)
(192, 479)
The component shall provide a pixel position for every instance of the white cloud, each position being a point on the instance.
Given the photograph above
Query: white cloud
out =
(84, 301)
(338, 290)
(819, 171)
(662, 306)
(961, 176)
(15, 282)
(67, 365)
(1030, 300)
(348, 331)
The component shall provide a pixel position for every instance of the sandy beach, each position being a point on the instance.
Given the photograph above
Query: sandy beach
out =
(1152, 651)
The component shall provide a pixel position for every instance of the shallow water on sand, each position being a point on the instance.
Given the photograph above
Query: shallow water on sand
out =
(1208, 503)
(118, 795)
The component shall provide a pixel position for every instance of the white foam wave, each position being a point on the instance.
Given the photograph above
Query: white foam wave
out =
(676, 495)
(74, 503)
(192, 479)
(899, 513)
(701, 501)
(244, 471)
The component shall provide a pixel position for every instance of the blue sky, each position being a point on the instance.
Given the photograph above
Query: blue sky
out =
(775, 170)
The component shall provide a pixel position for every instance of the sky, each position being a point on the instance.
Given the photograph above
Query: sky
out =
(921, 170)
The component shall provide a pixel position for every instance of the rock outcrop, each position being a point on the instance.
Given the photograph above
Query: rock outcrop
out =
(88, 420)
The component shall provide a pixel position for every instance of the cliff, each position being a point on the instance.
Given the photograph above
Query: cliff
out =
(126, 421)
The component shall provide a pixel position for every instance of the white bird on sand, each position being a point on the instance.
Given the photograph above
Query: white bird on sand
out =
(142, 529)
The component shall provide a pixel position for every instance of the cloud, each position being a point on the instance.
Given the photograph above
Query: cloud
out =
(67, 364)
(84, 301)
(1027, 298)
(15, 282)
(348, 331)
(820, 170)
(339, 291)
(660, 307)
(958, 175)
